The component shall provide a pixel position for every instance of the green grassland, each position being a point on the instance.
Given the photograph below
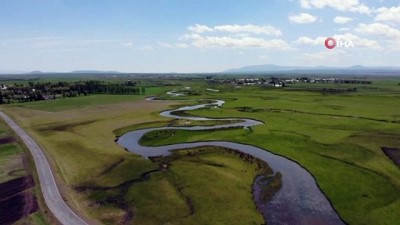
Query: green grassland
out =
(337, 137)
(172, 123)
(165, 137)
(78, 102)
(177, 194)
(11, 166)
(80, 143)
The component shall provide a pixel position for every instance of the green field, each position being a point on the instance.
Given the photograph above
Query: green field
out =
(78, 102)
(175, 194)
(11, 166)
(336, 136)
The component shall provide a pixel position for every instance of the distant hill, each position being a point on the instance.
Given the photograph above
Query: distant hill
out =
(93, 71)
(36, 72)
(321, 69)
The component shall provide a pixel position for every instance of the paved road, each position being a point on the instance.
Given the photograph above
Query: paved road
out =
(51, 195)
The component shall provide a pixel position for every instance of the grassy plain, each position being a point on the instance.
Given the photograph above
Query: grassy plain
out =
(80, 144)
(11, 165)
(176, 193)
(79, 140)
(337, 137)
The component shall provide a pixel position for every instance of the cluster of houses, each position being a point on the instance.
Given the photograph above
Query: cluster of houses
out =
(281, 82)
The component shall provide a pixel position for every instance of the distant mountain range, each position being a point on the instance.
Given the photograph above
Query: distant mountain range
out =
(41, 72)
(299, 69)
(255, 69)
(93, 71)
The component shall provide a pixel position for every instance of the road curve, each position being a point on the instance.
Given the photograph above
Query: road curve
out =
(50, 191)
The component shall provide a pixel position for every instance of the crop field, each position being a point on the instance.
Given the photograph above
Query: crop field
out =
(336, 136)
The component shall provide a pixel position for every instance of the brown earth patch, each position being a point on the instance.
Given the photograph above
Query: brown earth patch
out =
(63, 126)
(112, 166)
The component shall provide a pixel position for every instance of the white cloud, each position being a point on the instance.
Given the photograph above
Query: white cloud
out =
(230, 36)
(309, 41)
(249, 28)
(173, 45)
(198, 28)
(344, 29)
(235, 28)
(127, 44)
(303, 18)
(388, 14)
(394, 45)
(232, 42)
(391, 36)
(341, 5)
(357, 41)
(324, 56)
(378, 29)
(46, 43)
(342, 19)
(147, 48)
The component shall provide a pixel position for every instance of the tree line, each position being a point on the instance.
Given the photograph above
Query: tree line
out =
(37, 91)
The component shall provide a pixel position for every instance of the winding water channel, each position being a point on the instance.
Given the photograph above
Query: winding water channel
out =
(299, 201)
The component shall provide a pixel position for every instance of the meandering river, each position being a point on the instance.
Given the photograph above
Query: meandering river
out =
(299, 201)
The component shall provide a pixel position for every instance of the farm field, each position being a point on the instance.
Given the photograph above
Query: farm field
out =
(336, 136)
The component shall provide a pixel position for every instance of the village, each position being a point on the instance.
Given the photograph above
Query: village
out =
(280, 82)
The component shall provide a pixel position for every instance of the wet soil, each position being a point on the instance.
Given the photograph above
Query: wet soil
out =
(16, 201)
(7, 140)
(393, 154)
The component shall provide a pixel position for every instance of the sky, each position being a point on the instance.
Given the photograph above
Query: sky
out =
(195, 35)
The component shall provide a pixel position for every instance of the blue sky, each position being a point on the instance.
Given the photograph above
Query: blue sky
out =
(195, 35)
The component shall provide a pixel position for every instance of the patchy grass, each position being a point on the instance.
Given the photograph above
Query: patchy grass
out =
(164, 137)
(11, 166)
(179, 182)
(15, 164)
(80, 144)
(322, 132)
(326, 133)
(78, 102)
(171, 123)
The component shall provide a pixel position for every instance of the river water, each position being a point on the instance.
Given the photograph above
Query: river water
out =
(299, 201)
